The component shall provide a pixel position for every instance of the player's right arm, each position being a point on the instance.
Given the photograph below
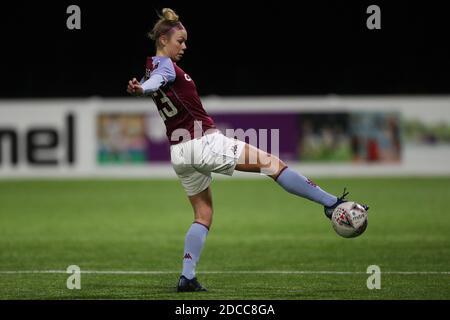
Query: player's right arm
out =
(160, 76)
(151, 85)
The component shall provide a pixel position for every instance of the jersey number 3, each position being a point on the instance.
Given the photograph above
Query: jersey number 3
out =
(169, 110)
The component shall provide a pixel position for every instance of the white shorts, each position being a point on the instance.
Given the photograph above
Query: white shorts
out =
(195, 160)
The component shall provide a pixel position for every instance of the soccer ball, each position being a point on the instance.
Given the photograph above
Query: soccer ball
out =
(349, 219)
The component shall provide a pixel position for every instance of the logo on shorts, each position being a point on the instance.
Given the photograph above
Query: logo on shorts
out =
(234, 149)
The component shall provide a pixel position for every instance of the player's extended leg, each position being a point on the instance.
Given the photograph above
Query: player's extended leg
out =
(195, 240)
(255, 160)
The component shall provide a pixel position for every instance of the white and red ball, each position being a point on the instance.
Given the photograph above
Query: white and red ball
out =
(349, 219)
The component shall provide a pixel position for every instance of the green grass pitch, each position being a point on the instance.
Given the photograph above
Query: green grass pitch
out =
(139, 225)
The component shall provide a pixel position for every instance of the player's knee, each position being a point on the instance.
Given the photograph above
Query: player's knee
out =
(204, 216)
(273, 167)
(281, 165)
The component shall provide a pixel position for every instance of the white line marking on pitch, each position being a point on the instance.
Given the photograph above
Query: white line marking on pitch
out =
(228, 272)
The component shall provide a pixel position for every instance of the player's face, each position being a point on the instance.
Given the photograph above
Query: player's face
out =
(177, 45)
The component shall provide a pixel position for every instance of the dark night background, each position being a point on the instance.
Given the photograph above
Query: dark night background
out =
(234, 47)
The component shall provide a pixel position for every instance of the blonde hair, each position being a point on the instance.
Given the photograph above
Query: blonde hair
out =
(166, 24)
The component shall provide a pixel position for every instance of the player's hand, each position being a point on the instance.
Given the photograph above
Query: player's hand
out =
(134, 88)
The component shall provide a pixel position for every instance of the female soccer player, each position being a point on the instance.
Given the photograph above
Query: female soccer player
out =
(198, 148)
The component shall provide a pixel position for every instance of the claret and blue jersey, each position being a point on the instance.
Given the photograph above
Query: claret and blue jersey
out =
(177, 98)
